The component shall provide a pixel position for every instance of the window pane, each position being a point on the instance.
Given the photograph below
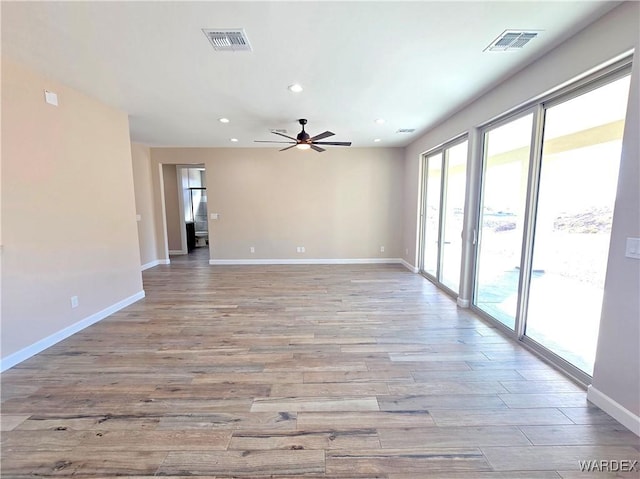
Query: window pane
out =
(456, 181)
(432, 214)
(504, 190)
(578, 180)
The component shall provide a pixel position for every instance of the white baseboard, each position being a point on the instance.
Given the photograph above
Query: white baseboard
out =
(409, 266)
(219, 262)
(153, 263)
(463, 303)
(49, 341)
(177, 251)
(614, 409)
(150, 265)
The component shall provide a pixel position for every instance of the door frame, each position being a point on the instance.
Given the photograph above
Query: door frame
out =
(442, 149)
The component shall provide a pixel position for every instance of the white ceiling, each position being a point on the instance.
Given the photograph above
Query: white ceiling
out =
(411, 63)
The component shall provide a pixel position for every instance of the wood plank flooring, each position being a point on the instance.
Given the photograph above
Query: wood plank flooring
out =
(364, 371)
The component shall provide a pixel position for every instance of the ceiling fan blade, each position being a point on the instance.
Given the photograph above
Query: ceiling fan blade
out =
(317, 148)
(326, 134)
(282, 134)
(288, 147)
(267, 141)
(334, 143)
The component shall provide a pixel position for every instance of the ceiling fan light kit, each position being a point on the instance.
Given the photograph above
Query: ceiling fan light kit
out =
(304, 142)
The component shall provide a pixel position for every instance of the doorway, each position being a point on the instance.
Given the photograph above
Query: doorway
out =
(194, 204)
(186, 213)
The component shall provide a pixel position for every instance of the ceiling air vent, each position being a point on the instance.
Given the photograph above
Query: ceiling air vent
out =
(406, 130)
(233, 40)
(511, 40)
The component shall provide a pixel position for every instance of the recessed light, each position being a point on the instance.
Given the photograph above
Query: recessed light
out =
(234, 140)
(223, 120)
(295, 88)
(379, 121)
(377, 140)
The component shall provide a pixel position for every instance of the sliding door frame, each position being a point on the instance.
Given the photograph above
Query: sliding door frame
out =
(616, 70)
(423, 215)
(600, 79)
(518, 330)
(443, 150)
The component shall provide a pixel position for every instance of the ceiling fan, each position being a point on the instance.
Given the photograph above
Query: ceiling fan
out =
(303, 141)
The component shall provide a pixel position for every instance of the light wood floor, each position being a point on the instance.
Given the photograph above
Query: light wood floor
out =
(361, 371)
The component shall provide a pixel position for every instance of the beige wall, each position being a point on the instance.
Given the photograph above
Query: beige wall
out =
(143, 189)
(617, 367)
(174, 220)
(342, 204)
(68, 214)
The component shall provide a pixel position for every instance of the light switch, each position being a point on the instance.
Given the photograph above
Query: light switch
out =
(51, 98)
(633, 248)
(214, 216)
(138, 217)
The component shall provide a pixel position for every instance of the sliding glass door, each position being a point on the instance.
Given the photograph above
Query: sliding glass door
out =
(548, 188)
(507, 148)
(443, 213)
(431, 236)
(455, 182)
(577, 189)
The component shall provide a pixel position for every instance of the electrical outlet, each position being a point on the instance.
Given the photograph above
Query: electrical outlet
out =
(633, 248)
(382, 249)
(74, 302)
(302, 250)
(406, 251)
(252, 249)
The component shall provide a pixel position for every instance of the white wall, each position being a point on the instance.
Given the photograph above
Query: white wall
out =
(617, 369)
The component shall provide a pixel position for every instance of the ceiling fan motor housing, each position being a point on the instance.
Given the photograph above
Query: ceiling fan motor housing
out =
(303, 135)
